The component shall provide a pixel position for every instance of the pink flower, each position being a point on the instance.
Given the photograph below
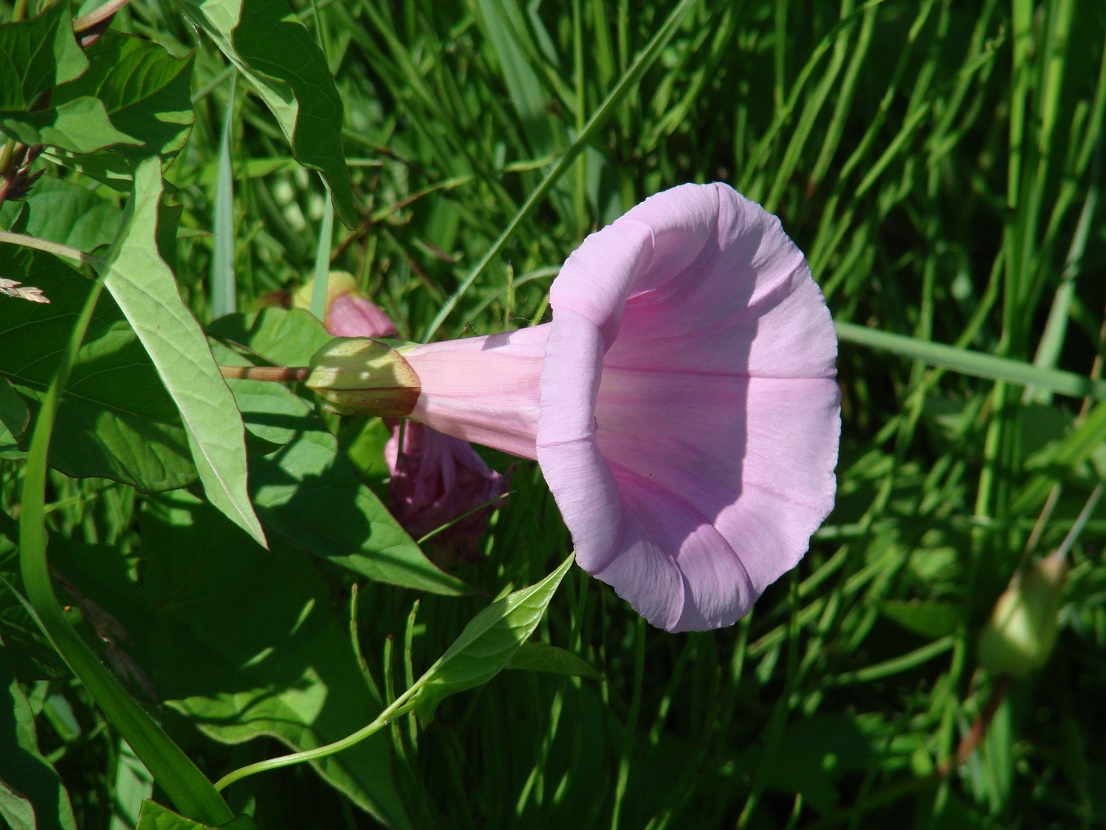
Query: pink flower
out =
(349, 313)
(437, 480)
(682, 404)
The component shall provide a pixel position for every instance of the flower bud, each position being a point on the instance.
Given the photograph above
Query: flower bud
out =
(356, 376)
(349, 313)
(1022, 630)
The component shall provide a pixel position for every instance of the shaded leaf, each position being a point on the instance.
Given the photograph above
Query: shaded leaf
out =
(243, 641)
(116, 420)
(146, 291)
(13, 414)
(309, 493)
(269, 45)
(32, 796)
(488, 643)
(37, 55)
(539, 656)
(155, 817)
(930, 619)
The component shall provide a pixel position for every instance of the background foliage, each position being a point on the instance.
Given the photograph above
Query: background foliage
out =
(940, 164)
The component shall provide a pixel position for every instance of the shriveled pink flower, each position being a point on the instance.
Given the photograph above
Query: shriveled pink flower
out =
(440, 481)
(437, 480)
(682, 404)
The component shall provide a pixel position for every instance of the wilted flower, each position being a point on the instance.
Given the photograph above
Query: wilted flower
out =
(682, 404)
(437, 480)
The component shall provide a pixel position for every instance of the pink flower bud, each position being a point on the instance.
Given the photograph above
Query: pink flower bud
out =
(437, 481)
(349, 313)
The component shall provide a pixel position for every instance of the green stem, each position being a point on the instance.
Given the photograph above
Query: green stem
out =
(403, 704)
(55, 248)
(185, 785)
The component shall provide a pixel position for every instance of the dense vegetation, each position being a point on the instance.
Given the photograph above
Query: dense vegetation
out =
(940, 164)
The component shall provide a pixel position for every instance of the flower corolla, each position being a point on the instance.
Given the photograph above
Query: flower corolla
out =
(682, 404)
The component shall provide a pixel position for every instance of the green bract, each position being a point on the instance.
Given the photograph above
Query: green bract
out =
(355, 376)
(1019, 636)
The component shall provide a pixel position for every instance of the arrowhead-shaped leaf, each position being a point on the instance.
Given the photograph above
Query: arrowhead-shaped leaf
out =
(146, 291)
(489, 642)
(269, 45)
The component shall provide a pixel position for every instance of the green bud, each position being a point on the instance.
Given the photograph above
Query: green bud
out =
(357, 376)
(1020, 635)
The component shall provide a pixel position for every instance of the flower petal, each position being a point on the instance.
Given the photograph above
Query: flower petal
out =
(574, 469)
(716, 416)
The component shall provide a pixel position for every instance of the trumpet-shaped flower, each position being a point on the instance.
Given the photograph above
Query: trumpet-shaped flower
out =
(682, 404)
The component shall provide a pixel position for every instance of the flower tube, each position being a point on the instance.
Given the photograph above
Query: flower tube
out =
(682, 404)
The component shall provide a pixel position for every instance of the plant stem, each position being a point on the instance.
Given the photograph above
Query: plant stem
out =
(979, 728)
(42, 245)
(97, 16)
(270, 374)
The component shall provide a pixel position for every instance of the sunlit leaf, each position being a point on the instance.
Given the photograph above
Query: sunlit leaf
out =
(269, 45)
(35, 56)
(146, 291)
(488, 643)
(144, 90)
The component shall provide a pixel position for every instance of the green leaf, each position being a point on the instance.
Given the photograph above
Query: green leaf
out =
(242, 640)
(32, 796)
(488, 643)
(13, 414)
(269, 45)
(145, 92)
(539, 656)
(309, 493)
(930, 619)
(60, 211)
(37, 55)
(155, 817)
(116, 420)
(282, 337)
(79, 126)
(133, 785)
(144, 287)
(176, 774)
(121, 92)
